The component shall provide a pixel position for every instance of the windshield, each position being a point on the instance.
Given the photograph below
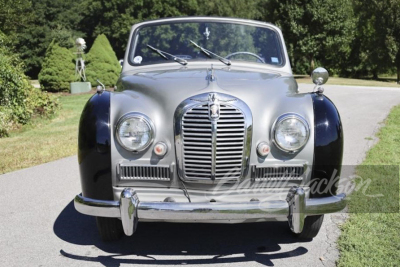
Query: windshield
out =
(235, 42)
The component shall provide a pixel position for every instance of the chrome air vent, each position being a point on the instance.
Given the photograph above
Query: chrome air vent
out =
(278, 173)
(160, 173)
(211, 138)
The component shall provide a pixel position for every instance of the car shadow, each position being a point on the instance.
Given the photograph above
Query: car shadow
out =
(182, 243)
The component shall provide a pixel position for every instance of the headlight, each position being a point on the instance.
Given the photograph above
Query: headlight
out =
(290, 132)
(135, 132)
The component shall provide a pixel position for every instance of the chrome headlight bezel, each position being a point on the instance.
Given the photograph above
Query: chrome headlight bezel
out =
(139, 116)
(284, 117)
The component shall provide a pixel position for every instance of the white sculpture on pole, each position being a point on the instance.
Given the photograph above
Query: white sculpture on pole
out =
(79, 61)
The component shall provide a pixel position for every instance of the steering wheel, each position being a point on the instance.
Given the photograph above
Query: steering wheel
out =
(245, 53)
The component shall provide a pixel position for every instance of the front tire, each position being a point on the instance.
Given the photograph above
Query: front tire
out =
(110, 229)
(312, 225)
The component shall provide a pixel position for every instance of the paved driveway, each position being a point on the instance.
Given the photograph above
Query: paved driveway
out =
(40, 227)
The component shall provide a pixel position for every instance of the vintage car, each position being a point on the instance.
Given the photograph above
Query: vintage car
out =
(206, 125)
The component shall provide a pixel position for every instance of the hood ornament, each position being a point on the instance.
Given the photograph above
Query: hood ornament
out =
(210, 74)
(213, 97)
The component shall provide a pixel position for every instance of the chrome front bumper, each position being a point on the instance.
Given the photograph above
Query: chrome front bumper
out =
(130, 210)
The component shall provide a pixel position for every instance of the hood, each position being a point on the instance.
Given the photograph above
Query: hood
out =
(166, 89)
(188, 82)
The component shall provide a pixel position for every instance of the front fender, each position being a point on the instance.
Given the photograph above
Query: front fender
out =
(328, 147)
(94, 148)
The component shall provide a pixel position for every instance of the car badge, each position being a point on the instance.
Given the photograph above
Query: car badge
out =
(214, 111)
(213, 107)
(214, 104)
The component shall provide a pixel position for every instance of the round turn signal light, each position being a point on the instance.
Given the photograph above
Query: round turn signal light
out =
(263, 149)
(160, 149)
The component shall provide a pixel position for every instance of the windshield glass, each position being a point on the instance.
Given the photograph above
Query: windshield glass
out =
(236, 42)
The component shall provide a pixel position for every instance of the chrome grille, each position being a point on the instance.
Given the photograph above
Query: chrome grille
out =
(213, 149)
(161, 173)
(279, 173)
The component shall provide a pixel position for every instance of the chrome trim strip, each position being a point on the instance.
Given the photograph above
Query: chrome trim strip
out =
(206, 211)
(214, 129)
(319, 206)
(131, 210)
(96, 207)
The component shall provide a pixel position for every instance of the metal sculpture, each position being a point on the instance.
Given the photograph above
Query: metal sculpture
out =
(79, 61)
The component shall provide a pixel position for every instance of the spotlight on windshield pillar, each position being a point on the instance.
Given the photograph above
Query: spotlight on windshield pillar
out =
(263, 149)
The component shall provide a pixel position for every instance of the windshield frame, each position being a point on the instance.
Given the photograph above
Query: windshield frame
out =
(134, 38)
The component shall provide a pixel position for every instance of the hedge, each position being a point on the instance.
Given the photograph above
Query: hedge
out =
(58, 69)
(102, 63)
(19, 101)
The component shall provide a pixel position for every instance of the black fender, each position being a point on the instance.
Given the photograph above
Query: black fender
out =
(328, 147)
(94, 148)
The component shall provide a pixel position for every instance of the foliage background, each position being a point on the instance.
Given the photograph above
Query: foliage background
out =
(19, 101)
(352, 38)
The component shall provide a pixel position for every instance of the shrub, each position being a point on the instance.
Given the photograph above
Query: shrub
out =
(19, 101)
(102, 63)
(13, 88)
(58, 69)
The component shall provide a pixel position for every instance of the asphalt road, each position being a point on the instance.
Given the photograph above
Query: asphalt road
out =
(40, 227)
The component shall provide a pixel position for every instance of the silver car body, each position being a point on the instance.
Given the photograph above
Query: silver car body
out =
(158, 90)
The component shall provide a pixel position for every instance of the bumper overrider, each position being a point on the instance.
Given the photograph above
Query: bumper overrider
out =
(130, 210)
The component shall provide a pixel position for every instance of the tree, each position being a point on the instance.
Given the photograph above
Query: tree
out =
(102, 63)
(115, 18)
(50, 19)
(377, 38)
(385, 44)
(230, 8)
(314, 30)
(58, 69)
(14, 16)
(387, 27)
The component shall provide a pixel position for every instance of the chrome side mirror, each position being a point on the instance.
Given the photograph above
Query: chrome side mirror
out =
(319, 77)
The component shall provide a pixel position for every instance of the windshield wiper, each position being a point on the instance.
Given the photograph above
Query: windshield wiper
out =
(211, 54)
(162, 54)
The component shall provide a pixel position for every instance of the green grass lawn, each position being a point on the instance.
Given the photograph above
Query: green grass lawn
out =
(383, 82)
(373, 239)
(45, 139)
